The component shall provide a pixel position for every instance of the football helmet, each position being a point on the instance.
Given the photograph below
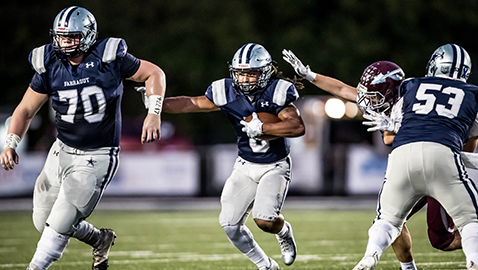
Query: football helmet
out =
(73, 21)
(449, 61)
(378, 86)
(251, 57)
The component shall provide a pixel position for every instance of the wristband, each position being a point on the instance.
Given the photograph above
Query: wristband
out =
(310, 75)
(12, 141)
(155, 104)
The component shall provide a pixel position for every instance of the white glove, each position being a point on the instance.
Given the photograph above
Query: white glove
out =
(252, 128)
(144, 97)
(379, 121)
(300, 69)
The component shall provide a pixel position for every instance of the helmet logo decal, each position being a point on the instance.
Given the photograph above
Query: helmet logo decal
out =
(381, 78)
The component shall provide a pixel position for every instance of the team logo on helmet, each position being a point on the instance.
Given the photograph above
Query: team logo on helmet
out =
(73, 22)
(449, 61)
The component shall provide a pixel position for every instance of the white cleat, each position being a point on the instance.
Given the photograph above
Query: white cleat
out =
(369, 262)
(471, 265)
(273, 266)
(288, 247)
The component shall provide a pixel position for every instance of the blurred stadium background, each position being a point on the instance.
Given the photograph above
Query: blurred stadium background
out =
(193, 41)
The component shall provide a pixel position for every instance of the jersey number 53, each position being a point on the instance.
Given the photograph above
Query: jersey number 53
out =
(454, 102)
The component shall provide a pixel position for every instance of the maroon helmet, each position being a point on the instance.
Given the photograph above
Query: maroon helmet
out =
(378, 86)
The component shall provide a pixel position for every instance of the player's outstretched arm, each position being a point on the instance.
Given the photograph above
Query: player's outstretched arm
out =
(155, 89)
(184, 104)
(328, 84)
(19, 123)
(291, 124)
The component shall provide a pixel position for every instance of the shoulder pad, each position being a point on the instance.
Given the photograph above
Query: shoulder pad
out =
(38, 58)
(280, 92)
(114, 48)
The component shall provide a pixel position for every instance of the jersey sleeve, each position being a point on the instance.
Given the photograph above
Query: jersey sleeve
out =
(38, 84)
(130, 65)
(397, 114)
(474, 128)
(216, 92)
(116, 49)
(285, 93)
(38, 59)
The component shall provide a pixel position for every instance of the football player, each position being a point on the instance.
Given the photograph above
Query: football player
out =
(437, 113)
(261, 175)
(83, 77)
(377, 92)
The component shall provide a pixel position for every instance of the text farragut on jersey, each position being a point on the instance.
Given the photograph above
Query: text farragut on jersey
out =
(77, 82)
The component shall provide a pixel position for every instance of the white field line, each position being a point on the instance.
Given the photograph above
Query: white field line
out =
(151, 257)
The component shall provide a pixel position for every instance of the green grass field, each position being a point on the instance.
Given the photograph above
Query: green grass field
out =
(194, 240)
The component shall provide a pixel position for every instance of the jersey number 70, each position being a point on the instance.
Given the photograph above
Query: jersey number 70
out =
(71, 96)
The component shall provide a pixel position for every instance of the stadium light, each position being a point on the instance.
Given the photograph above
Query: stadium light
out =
(335, 108)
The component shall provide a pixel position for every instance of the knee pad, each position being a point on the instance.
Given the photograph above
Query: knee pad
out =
(63, 217)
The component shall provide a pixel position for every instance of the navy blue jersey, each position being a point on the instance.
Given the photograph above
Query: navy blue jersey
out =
(86, 98)
(277, 95)
(437, 110)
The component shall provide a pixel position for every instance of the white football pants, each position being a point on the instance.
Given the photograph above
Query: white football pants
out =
(71, 184)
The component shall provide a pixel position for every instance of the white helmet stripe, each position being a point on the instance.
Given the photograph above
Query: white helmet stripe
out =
(458, 61)
(65, 16)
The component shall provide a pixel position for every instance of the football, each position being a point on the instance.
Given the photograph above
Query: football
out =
(265, 118)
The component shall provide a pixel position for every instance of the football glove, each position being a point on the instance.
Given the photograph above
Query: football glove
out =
(379, 121)
(253, 128)
(300, 69)
(144, 97)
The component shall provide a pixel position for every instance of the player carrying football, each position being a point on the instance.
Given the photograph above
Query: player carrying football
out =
(261, 174)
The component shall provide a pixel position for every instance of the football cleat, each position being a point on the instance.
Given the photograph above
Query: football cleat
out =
(102, 249)
(287, 246)
(273, 266)
(368, 262)
(471, 265)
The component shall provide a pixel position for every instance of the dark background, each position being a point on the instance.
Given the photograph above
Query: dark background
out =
(192, 41)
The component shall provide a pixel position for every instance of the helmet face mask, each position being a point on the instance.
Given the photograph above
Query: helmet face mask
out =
(378, 87)
(251, 58)
(75, 23)
(449, 61)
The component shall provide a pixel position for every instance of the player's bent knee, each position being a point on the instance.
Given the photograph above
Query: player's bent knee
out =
(63, 218)
(39, 220)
